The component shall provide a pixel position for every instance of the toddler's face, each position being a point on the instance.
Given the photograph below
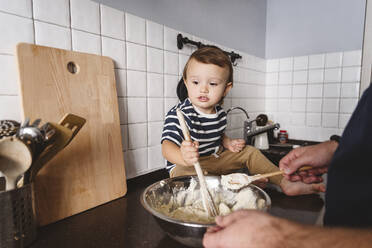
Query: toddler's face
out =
(206, 85)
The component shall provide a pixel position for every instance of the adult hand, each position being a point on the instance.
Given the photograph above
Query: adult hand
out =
(256, 229)
(245, 228)
(317, 156)
(190, 153)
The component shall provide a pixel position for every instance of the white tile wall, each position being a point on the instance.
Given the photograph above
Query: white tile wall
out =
(300, 77)
(112, 23)
(56, 11)
(85, 16)
(137, 135)
(8, 76)
(14, 29)
(116, 50)
(308, 94)
(154, 34)
(86, 42)
(121, 82)
(170, 63)
(325, 92)
(52, 35)
(17, 7)
(136, 83)
(155, 60)
(300, 63)
(136, 56)
(155, 85)
(136, 29)
(333, 60)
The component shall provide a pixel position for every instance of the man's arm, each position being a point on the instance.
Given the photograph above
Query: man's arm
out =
(259, 229)
(313, 236)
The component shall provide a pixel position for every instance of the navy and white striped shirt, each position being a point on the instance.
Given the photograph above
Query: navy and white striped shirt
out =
(207, 129)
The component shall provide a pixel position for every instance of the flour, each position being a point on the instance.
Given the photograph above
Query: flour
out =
(187, 205)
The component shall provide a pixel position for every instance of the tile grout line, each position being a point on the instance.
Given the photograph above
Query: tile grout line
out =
(33, 20)
(70, 19)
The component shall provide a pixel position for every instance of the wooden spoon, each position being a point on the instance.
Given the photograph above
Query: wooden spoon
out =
(236, 181)
(208, 203)
(15, 159)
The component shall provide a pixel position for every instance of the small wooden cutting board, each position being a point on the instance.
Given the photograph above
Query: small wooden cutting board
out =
(90, 170)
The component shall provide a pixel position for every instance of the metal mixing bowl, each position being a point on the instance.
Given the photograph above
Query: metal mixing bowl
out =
(188, 233)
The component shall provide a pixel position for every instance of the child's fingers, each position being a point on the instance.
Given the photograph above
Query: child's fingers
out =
(190, 149)
(241, 146)
(196, 144)
(187, 143)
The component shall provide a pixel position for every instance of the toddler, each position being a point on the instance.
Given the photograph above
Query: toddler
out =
(207, 78)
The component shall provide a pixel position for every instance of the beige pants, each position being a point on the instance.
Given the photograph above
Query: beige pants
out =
(228, 162)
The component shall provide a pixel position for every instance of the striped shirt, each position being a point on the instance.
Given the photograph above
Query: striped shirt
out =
(207, 129)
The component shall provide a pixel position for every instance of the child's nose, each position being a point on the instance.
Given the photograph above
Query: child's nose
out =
(204, 88)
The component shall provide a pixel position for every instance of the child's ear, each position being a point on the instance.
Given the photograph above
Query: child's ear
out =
(227, 88)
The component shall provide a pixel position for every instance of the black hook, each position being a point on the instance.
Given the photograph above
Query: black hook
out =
(184, 40)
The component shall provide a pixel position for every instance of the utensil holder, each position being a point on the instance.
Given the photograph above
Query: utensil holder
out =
(18, 227)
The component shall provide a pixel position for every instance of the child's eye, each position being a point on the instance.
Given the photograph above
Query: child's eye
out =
(195, 82)
(213, 84)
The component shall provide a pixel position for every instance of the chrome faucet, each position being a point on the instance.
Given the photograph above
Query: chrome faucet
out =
(249, 127)
(247, 124)
(245, 112)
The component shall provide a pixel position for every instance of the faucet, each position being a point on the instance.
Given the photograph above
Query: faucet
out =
(245, 112)
(249, 129)
(247, 124)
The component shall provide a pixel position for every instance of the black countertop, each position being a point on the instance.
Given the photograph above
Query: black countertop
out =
(125, 223)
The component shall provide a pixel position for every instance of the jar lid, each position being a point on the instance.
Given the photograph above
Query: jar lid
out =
(283, 131)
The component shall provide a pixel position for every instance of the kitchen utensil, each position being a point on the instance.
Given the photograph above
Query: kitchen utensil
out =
(208, 203)
(253, 132)
(15, 159)
(65, 131)
(2, 182)
(8, 128)
(187, 233)
(90, 171)
(31, 135)
(237, 181)
(18, 226)
(261, 120)
(261, 141)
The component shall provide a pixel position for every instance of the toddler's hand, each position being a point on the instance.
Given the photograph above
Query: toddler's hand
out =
(190, 153)
(236, 145)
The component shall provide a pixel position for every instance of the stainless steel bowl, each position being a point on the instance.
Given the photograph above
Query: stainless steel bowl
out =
(187, 233)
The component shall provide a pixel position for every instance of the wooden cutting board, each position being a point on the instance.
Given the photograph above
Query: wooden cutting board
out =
(90, 170)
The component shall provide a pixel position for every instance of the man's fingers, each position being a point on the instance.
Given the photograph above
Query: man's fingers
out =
(293, 178)
(224, 221)
(312, 179)
(213, 229)
(319, 187)
(212, 239)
